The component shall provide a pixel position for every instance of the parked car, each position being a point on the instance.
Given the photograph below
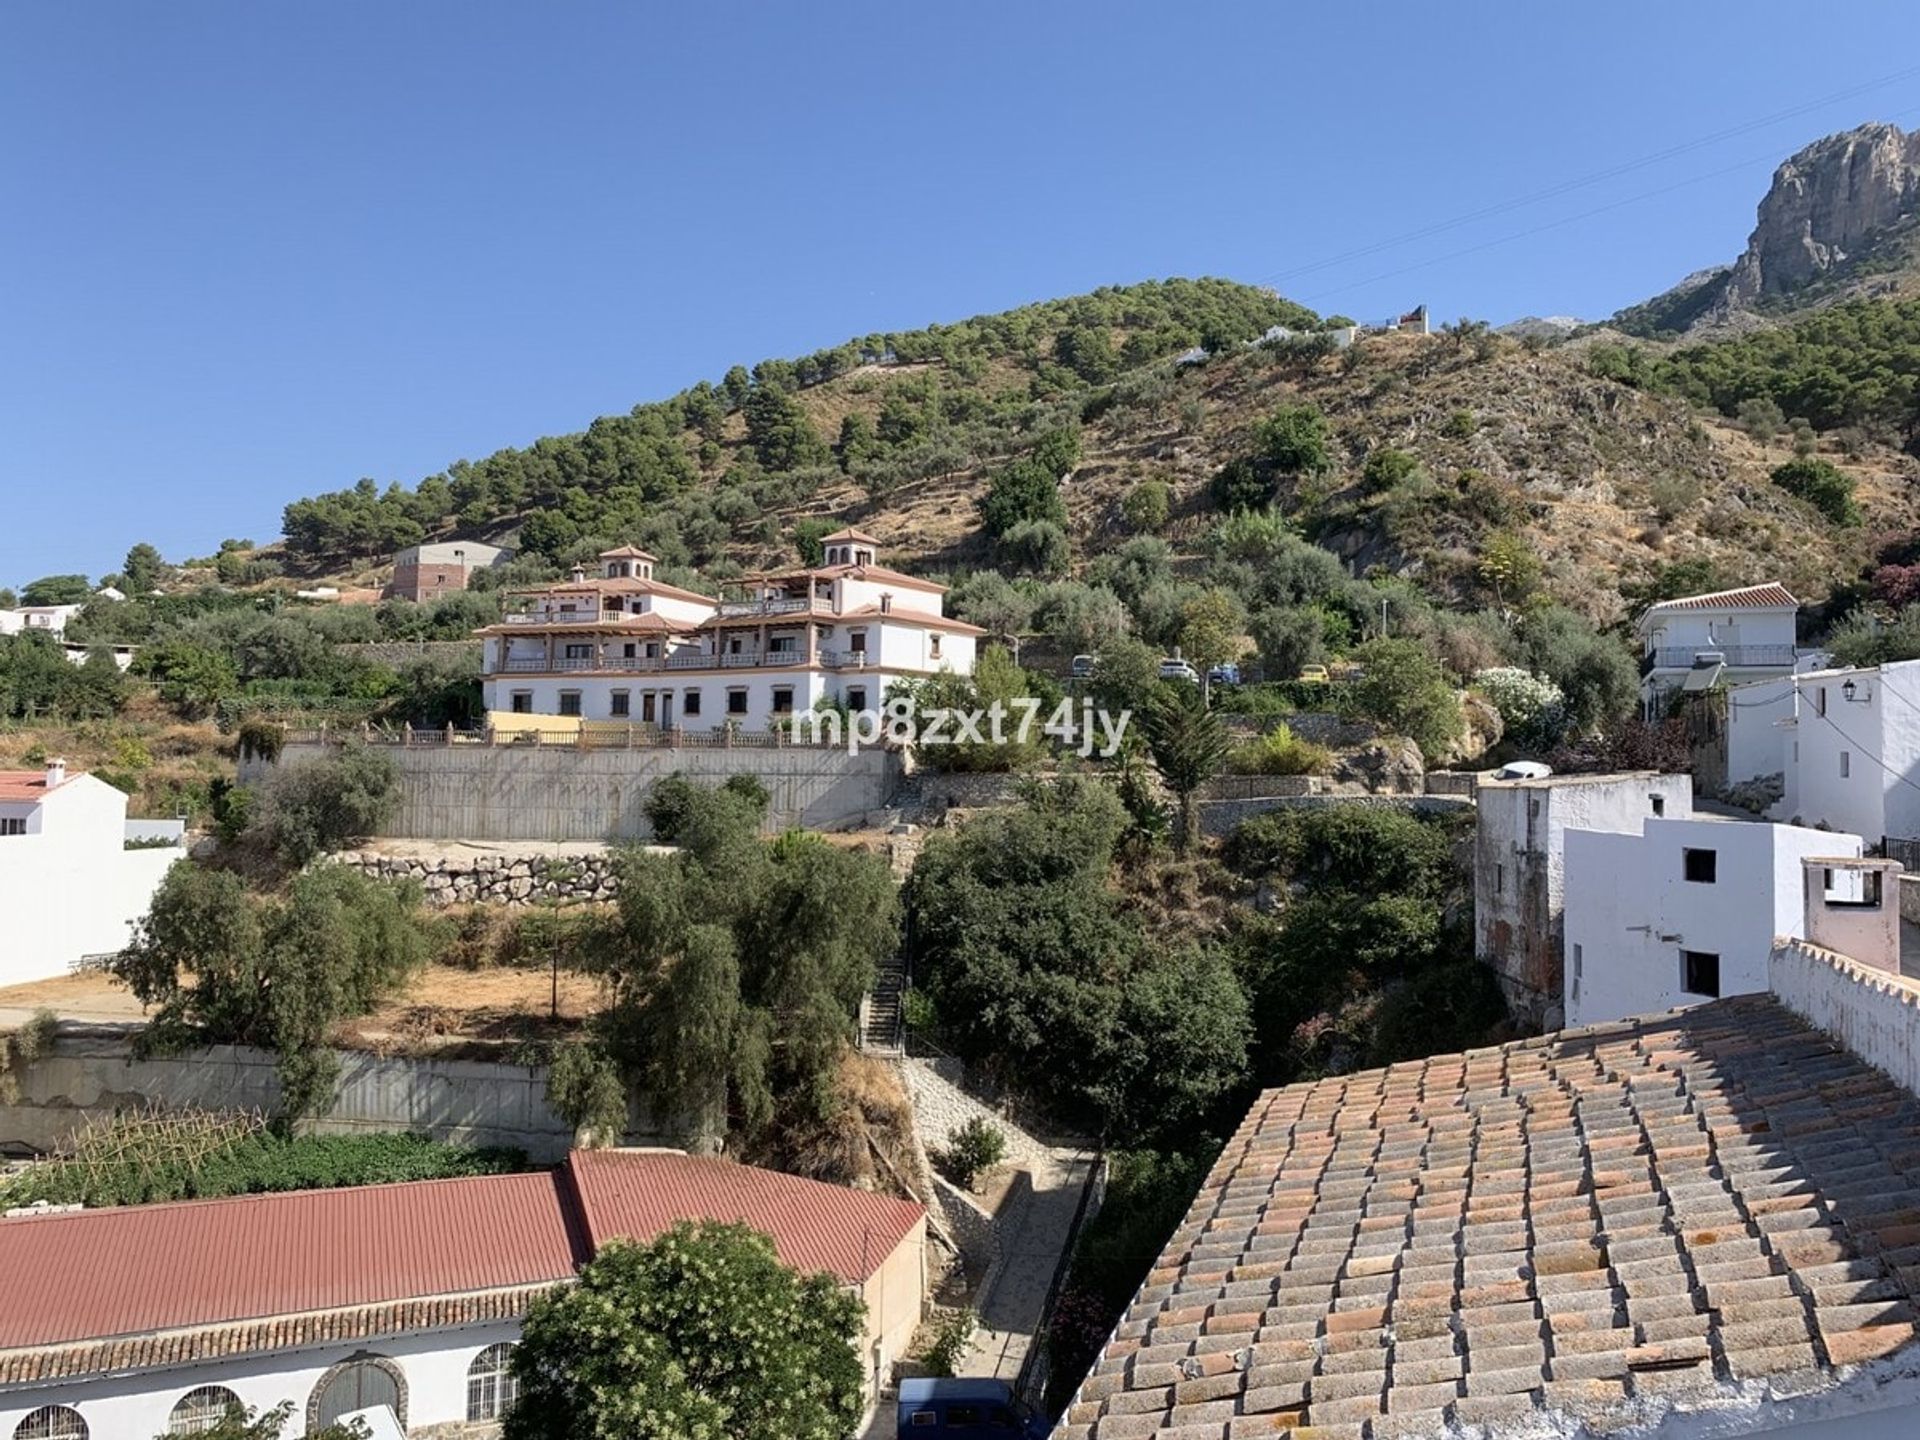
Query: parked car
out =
(1174, 668)
(1083, 666)
(1313, 675)
(1227, 674)
(975, 1409)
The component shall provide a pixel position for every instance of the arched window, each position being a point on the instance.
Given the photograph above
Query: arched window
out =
(52, 1422)
(201, 1410)
(491, 1387)
(360, 1384)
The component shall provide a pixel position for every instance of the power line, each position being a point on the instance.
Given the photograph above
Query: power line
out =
(1585, 181)
(1557, 224)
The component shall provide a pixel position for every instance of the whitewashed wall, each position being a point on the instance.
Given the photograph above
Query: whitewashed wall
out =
(1631, 911)
(73, 889)
(136, 1406)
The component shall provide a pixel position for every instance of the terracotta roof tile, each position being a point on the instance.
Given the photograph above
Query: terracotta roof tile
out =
(29, 786)
(1772, 593)
(1640, 1210)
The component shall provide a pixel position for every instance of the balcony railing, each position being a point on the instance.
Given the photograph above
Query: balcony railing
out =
(653, 665)
(788, 605)
(1740, 656)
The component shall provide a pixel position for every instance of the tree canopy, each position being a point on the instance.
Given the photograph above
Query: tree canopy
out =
(701, 1334)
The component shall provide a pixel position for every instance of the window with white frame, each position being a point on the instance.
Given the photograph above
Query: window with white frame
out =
(13, 825)
(491, 1386)
(201, 1410)
(52, 1422)
(569, 702)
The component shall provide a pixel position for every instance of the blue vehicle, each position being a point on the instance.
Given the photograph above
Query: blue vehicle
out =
(966, 1409)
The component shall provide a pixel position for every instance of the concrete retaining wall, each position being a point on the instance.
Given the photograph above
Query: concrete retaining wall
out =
(465, 1101)
(1218, 817)
(512, 792)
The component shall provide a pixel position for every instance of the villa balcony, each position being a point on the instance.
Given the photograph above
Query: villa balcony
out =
(676, 663)
(1740, 657)
(785, 605)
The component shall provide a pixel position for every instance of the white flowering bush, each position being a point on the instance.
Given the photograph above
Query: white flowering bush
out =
(1532, 709)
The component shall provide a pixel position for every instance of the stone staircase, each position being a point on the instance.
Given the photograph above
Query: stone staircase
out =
(882, 1018)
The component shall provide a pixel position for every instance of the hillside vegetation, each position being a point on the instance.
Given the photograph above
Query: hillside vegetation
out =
(961, 445)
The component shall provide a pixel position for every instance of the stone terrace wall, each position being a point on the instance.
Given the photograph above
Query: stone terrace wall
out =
(499, 879)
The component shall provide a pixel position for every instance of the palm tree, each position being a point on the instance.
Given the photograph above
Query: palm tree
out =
(1189, 745)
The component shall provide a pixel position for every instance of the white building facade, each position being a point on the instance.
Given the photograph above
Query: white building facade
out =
(624, 647)
(70, 887)
(1725, 637)
(1519, 871)
(1685, 911)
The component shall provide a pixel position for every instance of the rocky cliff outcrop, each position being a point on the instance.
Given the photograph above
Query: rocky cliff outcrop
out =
(1826, 206)
(1830, 206)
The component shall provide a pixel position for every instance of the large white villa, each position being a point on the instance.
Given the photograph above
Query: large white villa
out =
(623, 646)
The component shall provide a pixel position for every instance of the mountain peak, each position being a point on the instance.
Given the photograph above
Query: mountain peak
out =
(1830, 218)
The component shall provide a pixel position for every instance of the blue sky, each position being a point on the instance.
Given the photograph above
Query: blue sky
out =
(255, 251)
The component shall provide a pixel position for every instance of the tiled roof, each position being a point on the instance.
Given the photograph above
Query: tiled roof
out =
(159, 1285)
(612, 622)
(1772, 593)
(911, 617)
(635, 1195)
(1578, 1224)
(627, 552)
(27, 785)
(131, 1271)
(615, 585)
(848, 534)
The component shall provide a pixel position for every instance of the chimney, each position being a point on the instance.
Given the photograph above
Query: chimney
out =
(1853, 908)
(579, 573)
(56, 773)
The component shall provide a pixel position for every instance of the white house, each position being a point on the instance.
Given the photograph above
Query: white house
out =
(132, 1322)
(1684, 911)
(1725, 637)
(68, 885)
(1853, 754)
(1519, 868)
(52, 619)
(623, 646)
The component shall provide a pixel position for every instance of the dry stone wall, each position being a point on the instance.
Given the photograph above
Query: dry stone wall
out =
(494, 879)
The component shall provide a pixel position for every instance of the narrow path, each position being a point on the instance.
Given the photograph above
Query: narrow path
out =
(1035, 1248)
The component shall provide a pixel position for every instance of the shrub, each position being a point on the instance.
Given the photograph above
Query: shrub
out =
(1821, 485)
(1296, 441)
(310, 809)
(1280, 752)
(1240, 485)
(1386, 468)
(972, 1149)
(1148, 505)
(1532, 710)
(1761, 418)
(952, 1342)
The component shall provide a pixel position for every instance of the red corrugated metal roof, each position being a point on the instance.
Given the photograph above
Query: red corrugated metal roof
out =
(140, 1269)
(628, 1195)
(1772, 593)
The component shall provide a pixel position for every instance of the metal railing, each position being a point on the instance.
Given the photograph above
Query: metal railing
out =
(594, 735)
(654, 664)
(1682, 657)
(790, 605)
